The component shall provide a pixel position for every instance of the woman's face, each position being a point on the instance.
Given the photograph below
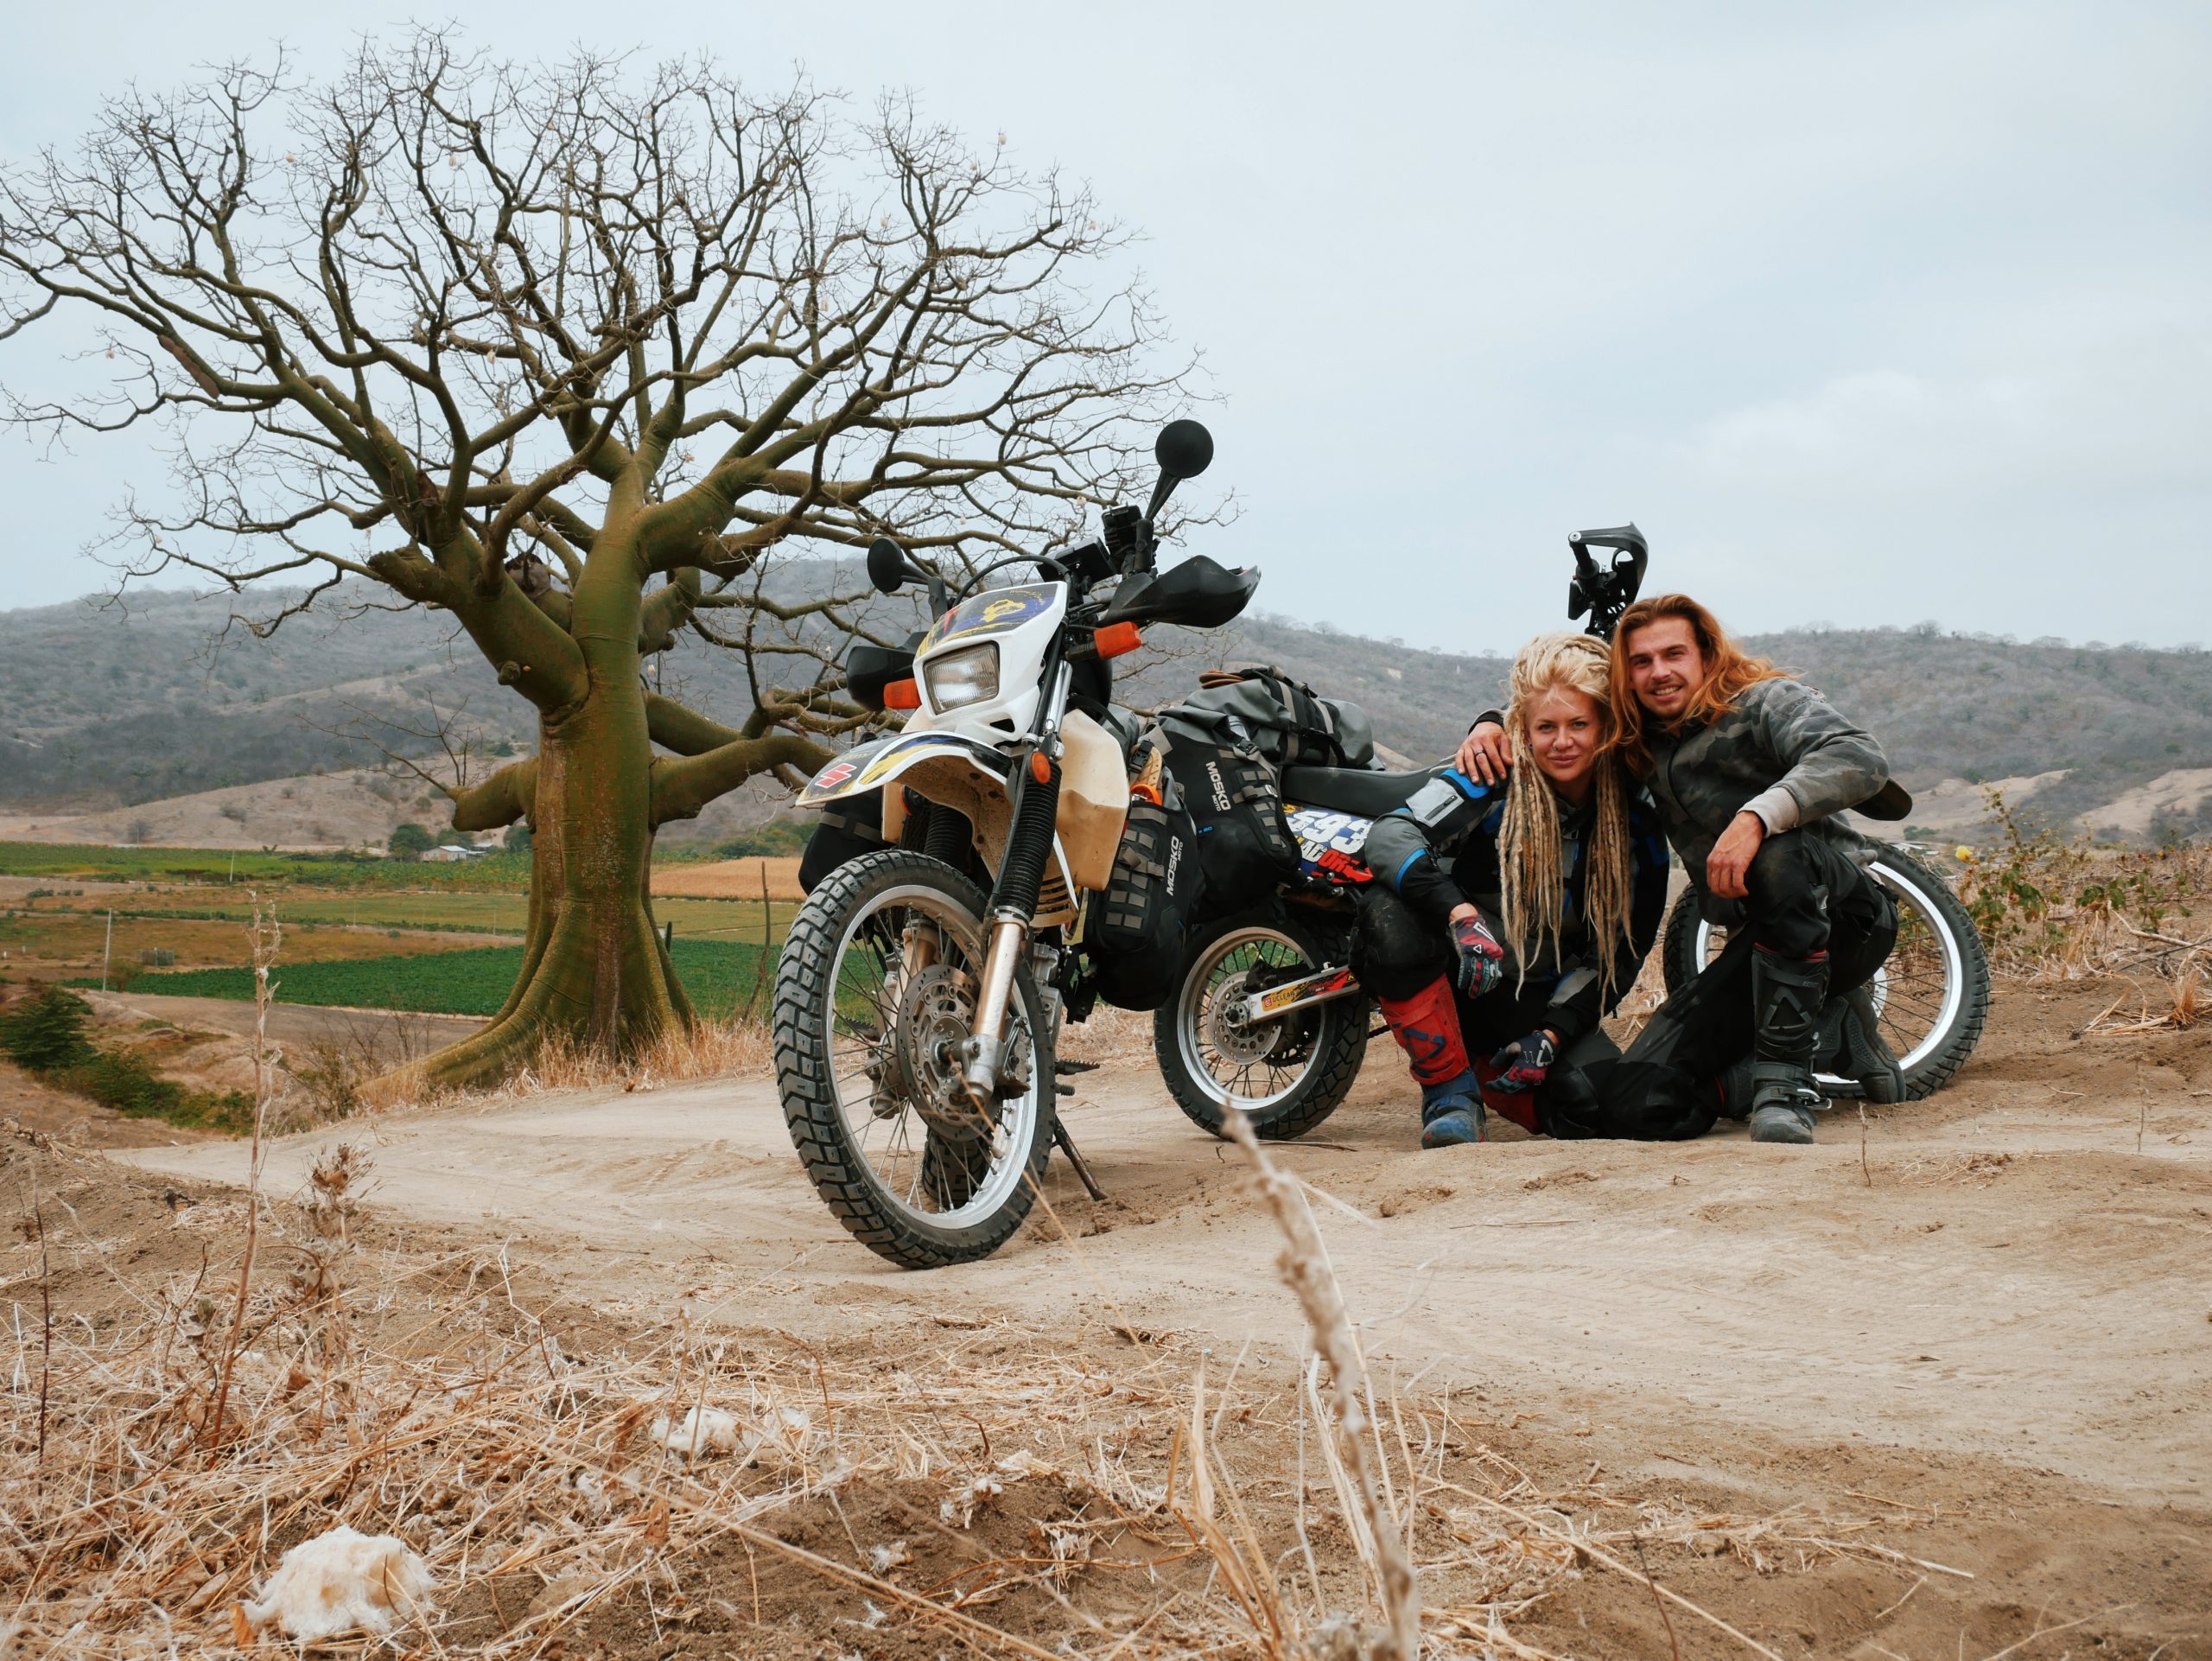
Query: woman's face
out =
(1565, 728)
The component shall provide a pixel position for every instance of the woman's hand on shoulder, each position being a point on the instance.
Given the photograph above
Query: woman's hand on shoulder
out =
(1486, 754)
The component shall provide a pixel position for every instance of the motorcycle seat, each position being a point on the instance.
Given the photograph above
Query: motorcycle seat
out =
(1350, 790)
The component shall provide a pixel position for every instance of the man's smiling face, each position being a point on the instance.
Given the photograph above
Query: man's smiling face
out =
(1665, 668)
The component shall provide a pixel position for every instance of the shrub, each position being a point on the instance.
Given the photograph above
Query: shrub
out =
(517, 838)
(46, 1032)
(2048, 904)
(776, 839)
(408, 841)
(125, 1082)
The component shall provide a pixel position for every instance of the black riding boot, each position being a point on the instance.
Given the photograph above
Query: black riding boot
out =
(1787, 994)
(1851, 1044)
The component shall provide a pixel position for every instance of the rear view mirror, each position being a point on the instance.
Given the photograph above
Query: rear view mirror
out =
(887, 565)
(1184, 450)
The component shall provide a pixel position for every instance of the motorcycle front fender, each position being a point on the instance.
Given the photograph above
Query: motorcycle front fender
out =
(963, 773)
(872, 766)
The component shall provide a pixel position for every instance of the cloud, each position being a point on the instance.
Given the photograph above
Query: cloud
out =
(2131, 416)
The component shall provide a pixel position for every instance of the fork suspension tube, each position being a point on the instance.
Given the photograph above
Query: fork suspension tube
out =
(1013, 903)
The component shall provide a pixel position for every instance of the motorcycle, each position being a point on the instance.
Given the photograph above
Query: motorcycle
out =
(1246, 1029)
(923, 987)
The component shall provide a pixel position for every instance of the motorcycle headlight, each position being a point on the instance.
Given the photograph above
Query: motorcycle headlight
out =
(968, 676)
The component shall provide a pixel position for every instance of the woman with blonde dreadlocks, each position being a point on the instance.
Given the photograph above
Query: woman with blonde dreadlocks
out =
(1506, 920)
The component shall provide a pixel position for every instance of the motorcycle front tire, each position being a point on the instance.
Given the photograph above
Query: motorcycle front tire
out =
(978, 1194)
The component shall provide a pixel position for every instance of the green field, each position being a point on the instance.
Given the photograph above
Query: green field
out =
(718, 975)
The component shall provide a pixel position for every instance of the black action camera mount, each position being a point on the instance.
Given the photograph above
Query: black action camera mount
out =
(1605, 592)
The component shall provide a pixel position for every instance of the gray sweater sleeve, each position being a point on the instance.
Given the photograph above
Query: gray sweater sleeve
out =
(1832, 765)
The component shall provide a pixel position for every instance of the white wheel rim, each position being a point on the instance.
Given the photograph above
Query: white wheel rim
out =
(1912, 890)
(1200, 1059)
(890, 1149)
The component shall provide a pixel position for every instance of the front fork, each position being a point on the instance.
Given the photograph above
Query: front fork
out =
(986, 1047)
(1013, 897)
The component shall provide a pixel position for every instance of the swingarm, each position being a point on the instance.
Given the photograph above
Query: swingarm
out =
(1323, 986)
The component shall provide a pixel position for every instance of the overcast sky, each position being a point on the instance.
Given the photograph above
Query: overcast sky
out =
(1866, 313)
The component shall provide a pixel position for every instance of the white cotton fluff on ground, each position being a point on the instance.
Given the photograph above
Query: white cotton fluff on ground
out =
(705, 1432)
(700, 1433)
(343, 1581)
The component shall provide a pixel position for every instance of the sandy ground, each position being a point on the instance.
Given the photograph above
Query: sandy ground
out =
(2183, 791)
(1986, 1351)
(2010, 1275)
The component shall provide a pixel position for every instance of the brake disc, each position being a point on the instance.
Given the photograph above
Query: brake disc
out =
(935, 1014)
(1232, 1035)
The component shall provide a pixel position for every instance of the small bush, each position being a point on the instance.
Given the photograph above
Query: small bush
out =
(518, 839)
(779, 838)
(2049, 904)
(330, 1074)
(46, 1032)
(124, 1080)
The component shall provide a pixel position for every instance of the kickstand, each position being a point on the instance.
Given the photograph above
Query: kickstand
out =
(1066, 1145)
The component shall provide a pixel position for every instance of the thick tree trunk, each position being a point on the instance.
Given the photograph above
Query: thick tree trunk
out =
(594, 968)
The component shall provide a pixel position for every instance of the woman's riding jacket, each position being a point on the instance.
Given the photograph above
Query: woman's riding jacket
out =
(1440, 850)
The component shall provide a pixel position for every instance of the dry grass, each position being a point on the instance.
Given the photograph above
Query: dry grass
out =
(708, 1049)
(2056, 909)
(1109, 1035)
(989, 1491)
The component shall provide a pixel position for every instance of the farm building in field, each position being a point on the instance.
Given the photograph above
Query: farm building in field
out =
(452, 850)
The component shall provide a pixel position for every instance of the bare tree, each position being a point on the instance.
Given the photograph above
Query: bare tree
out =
(564, 351)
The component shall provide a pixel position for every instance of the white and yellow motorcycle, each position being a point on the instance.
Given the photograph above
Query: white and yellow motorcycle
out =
(923, 985)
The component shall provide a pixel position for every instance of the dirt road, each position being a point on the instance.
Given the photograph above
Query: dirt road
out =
(2009, 1275)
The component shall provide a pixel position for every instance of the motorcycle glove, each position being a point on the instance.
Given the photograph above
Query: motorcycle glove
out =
(1522, 1063)
(1481, 959)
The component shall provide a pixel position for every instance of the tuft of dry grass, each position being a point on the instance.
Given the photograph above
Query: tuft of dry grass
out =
(1359, 1473)
(1109, 1035)
(707, 1049)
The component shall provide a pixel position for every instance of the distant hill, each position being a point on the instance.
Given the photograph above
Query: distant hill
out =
(105, 707)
